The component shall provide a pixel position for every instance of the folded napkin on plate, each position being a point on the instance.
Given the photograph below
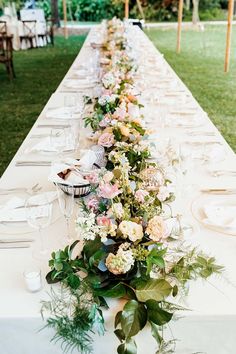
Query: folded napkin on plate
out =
(220, 215)
(214, 152)
(57, 144)
(77, 168)
(80, 84)
(62, 113)
(15, 211)
(81, 73)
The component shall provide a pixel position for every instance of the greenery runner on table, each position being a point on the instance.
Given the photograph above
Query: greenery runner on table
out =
(131, 247)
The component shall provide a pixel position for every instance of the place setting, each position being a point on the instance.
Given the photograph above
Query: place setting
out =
(119, 210)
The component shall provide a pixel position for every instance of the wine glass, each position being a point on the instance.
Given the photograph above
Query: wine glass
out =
(70, 104)
(58, 140)
(66, 204)
(38, 213)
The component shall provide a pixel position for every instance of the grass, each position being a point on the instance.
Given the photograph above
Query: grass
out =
(39, 72)
(201, 67)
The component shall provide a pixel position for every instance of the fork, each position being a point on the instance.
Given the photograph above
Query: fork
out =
(36, 188)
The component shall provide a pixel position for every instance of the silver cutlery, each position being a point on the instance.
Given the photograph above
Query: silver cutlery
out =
(218, 173)
(36, 188)
(219, 191)
(14, 245)
(197, 133)
(56, 126)
(33, 163)
(17, 240)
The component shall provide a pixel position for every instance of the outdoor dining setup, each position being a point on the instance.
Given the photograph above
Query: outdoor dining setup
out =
(32, 30)
(117, 213)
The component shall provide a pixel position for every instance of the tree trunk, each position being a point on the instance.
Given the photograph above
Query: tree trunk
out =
(195, 17)
(188, 5)
(55, 12)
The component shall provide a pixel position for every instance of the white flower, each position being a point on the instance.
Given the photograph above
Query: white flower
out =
(132, 230)
(120, 263)
(163, 193)
(86, 227)
(118, 210)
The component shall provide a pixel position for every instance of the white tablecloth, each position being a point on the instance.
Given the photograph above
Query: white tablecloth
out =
(210, 325)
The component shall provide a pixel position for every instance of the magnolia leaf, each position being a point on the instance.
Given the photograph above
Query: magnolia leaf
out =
(116, 291)
(73, 281)
(156, 314)
(175, 290)
(96, 257)
(129, 347)
(118, 318)
(133, 318)
(156, 289)
(120, 334)
(91, 247)
(155, 333)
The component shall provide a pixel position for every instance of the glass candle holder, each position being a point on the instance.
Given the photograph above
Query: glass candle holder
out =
(33, 280)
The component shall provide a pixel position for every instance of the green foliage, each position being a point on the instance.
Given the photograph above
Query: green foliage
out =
(156, 289)
(73, 317)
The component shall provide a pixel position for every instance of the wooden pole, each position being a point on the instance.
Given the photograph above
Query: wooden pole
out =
(126, 8)
(229, 34)
(180, 15)
(65, 19)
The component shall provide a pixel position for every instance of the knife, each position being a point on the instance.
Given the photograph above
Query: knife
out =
(16, 240)
(33, 163)
(14, 245)
(219, 191)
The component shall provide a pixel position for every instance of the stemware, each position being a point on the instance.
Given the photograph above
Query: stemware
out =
(66, 204)
(38, 213)
(70, 103)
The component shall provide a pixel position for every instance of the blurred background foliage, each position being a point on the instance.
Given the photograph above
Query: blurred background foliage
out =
(154, 10)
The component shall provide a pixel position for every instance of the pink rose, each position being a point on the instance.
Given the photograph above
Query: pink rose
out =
(140, 195)
(92, 177)
(93, 203)
(120, 113)
(106, 140)
(103, 221)
(108, 190)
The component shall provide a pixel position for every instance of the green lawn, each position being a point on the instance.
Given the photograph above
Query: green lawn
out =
(39, 72)
(201, 67)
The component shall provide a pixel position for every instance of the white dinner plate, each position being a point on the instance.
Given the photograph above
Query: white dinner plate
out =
(222, 201)
(22, 227)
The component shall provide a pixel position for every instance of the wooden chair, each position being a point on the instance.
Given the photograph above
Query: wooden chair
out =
(29, 32)
(50, 30)
(3, 28)
(6, 54)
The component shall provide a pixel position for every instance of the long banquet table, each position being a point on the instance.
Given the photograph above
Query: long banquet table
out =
(209, 327)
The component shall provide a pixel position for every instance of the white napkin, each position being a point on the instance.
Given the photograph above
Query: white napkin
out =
(14, 209)
(87, 160)
(52, 146)
(223, 216)
(79, 84)
(75, 178)
(62, 113)
(85, 164)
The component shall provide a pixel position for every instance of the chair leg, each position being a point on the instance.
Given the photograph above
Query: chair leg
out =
(12, 68)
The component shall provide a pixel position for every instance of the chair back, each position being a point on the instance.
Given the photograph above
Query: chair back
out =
(29, 28)
(3, 28)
